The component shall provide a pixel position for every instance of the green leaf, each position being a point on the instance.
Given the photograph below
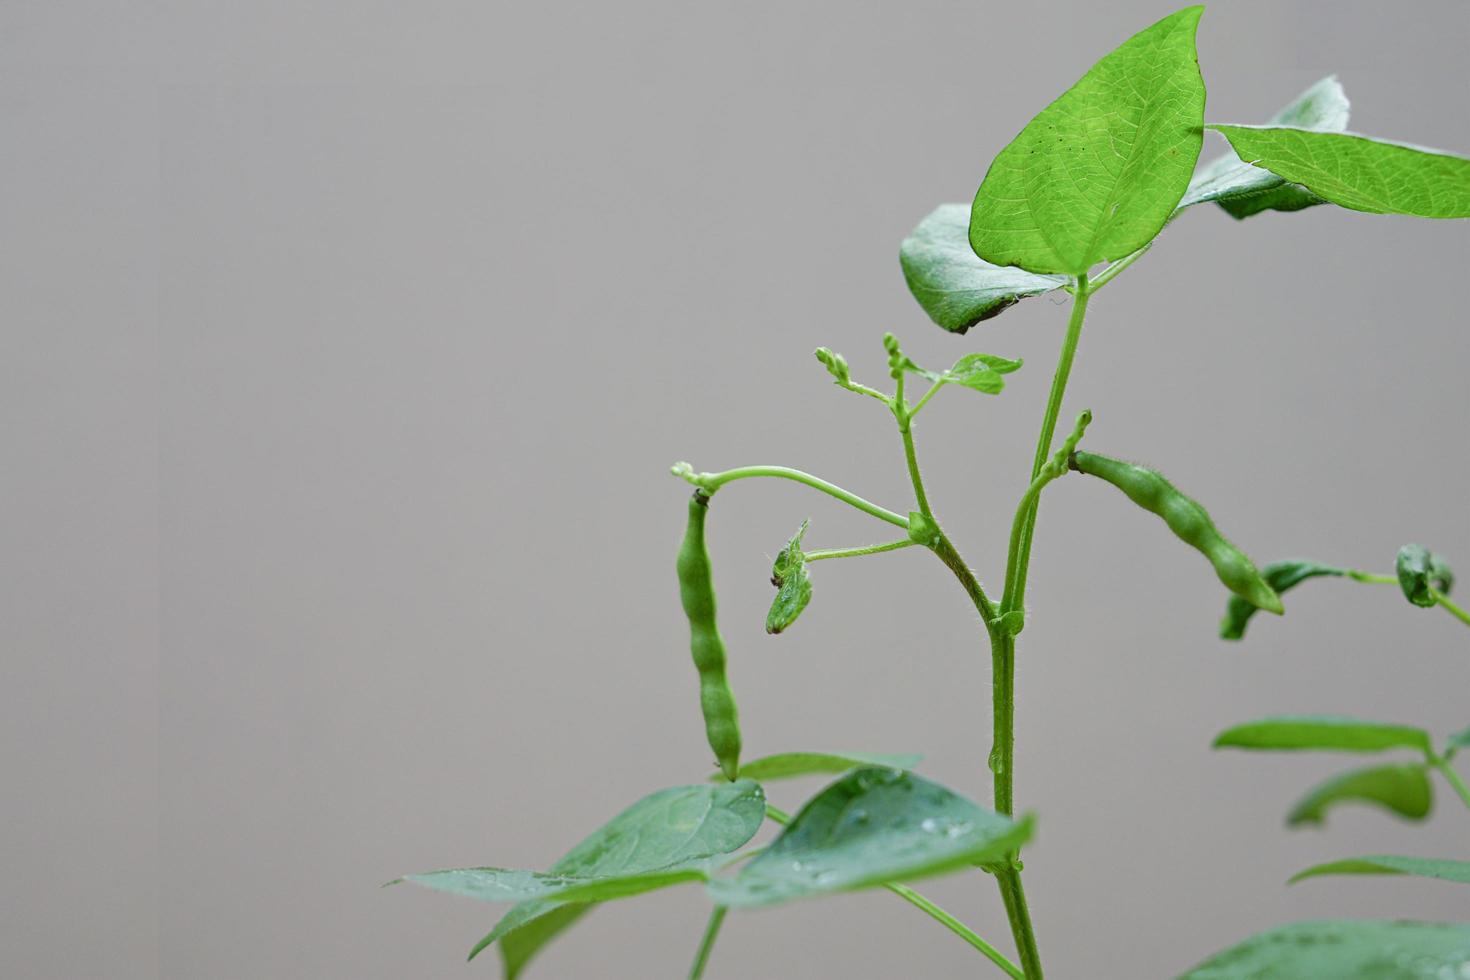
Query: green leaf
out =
(981, 372)
(1389, 864)
(870, 827)
(651, 843)
(793, 584)
(1358, 172)
(955, 286)
(1420, 573)
(519, 946)
(1401, 789)
(789, 765)
(1281, 576)
(1347, 949)
(1326, 732)
(1244, 190)
(1460, 740)
(1097, 173)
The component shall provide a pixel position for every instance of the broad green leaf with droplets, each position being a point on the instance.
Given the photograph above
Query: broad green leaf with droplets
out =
(664, 838)
(1097, 174)
(1281, 576)
(789, 765)
(793, 584)
(1401, 789)
(1391, 864)
(955, 286)
(1359, 172)
(1333, 733)
(1348, 949)
(1421, 572)
(1244, 190)
(871, 827)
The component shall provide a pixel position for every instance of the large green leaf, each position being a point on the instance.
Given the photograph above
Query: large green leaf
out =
(1329, 732)
(1359, 172)
(788, 765)
(1392, 864)
(667, 837)
(1281, 576)
(1401, 789)
(1244, 190)
(955, 286)
(871, 827)
(1098, 172)
(1345, 950)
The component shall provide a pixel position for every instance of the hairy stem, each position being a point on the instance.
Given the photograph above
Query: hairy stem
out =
(1018, 564)
(716, 919)
(867, 549)
(929, 908)
(710, 482)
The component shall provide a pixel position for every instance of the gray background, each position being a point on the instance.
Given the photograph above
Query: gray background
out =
(346, 348)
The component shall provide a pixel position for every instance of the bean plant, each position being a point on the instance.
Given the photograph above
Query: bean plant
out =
(1079, 196)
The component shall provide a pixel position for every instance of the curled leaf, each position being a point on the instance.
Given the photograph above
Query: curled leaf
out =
(1402, 789)
(1281, 576)
(1422, 573)
(793, 584)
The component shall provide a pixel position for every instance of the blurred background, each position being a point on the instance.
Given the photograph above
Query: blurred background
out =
(346, 349)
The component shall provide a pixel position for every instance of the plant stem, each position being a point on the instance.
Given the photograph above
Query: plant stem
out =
(924, 399)
(1017, 568)
(716, 919)
(867, 549)
(1106, 276)
(957, 927)
(1454, 610)
(710, 482)
(1003, 647)
(1371, 578)
(932, 910)
(912, 458)
(1448, 771)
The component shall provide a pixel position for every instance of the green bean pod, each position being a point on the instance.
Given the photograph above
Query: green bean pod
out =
(1188, 520)
(697, 592)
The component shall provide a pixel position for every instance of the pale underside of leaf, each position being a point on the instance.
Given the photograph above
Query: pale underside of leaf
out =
(1364, 949)
(1098, 173)
(1243, 189)
(1443, 869)
(667, 837)
(956, 287)
(1359, 172)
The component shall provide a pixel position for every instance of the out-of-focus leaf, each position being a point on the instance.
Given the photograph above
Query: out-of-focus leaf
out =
(1420, 572)
(1281, 576)
(788, 765)
(1322, 732)
(1363, 949)
(1391, 864)
(1401, 789)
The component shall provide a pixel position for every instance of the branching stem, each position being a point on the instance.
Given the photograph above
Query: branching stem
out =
(710, 482)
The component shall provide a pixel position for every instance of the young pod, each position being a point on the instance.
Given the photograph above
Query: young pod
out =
(697, 593)
(1187, 519)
